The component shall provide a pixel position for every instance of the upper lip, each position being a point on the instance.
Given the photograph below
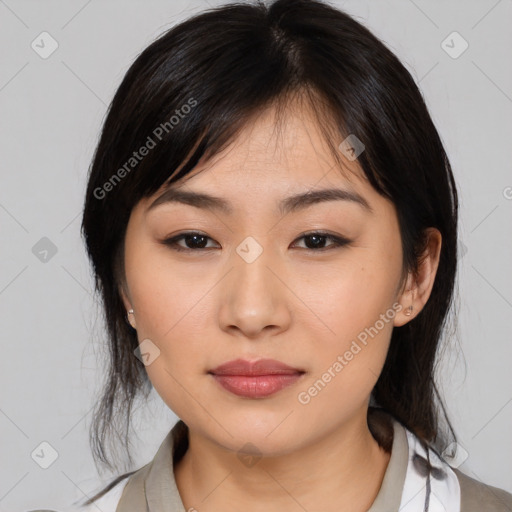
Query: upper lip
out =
(259, 367)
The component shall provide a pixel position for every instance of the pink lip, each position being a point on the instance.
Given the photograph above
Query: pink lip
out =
(256, 379)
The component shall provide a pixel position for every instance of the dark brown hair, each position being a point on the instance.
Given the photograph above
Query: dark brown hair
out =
(226, 64)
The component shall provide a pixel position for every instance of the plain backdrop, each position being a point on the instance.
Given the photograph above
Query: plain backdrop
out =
(51, 112)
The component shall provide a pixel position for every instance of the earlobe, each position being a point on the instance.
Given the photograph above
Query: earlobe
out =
(130, 315)
(406, 300)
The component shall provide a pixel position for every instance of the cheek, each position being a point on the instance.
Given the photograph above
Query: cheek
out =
(356, 312)
(344, 299)
(164, 292)
(172, 312)
(352, 351)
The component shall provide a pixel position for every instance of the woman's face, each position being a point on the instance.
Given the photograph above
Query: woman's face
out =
(251, 286)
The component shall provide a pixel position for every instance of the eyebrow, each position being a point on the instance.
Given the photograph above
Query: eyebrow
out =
(287, 205)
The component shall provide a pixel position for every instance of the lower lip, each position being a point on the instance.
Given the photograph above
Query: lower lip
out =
(256, 386)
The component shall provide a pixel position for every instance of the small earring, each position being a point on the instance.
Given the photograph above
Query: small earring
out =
(130, 312)
(408, 311)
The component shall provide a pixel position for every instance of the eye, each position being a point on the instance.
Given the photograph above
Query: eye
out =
(193, 239)
(196, 241)
(317, 241)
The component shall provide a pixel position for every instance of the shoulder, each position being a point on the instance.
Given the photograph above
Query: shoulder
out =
(477, 496)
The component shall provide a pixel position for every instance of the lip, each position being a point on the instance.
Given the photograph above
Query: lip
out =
(258, 367)
(256, 379)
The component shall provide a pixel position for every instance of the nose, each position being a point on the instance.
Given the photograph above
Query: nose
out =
(255, 301)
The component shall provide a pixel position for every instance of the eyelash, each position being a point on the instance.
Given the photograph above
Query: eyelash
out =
(173, 241)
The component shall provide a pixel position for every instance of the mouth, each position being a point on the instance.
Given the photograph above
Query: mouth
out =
(257, 379)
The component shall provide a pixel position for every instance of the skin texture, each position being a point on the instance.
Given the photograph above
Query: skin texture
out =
(301, 306)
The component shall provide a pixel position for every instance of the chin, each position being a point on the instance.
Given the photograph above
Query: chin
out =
(262, 438)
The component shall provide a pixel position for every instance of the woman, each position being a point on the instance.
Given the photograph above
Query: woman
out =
(272, 221)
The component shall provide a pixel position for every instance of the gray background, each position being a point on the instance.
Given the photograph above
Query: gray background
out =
(51, 113)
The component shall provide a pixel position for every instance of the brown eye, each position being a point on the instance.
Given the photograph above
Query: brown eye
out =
(193, 240)
(315, 241)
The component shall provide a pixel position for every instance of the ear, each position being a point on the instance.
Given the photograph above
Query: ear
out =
(419, 285)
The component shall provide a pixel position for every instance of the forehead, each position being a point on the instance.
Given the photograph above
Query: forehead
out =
(286, 150)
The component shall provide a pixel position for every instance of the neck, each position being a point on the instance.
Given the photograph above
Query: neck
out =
(341, 471)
